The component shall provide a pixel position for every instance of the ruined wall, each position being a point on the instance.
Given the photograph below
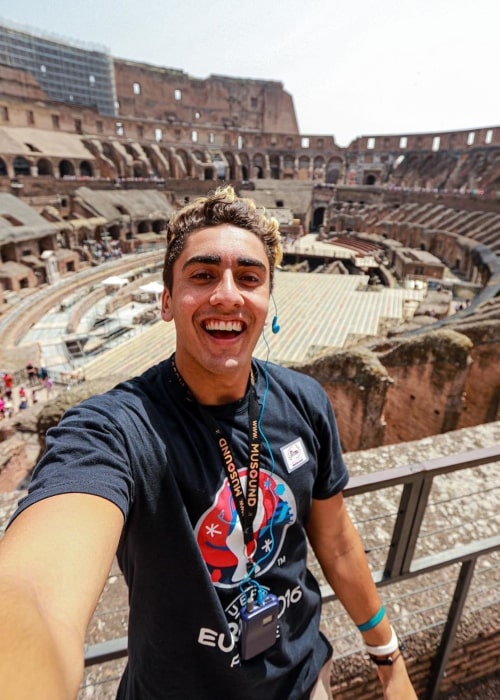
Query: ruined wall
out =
(356, 384)
(20, 83)
(408, 388)
(145, 91)
(429, 374)
(482, 386)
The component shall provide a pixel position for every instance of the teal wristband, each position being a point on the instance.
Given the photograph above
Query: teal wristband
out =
(373, 621)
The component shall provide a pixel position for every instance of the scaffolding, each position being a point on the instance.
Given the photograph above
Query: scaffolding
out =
(74, 73)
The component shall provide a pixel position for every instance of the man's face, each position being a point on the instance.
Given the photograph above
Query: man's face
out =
(219, 302)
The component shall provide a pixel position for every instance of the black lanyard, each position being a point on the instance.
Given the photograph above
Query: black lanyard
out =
(246, 502)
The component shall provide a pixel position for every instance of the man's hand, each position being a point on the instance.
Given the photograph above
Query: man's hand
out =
(396, 682)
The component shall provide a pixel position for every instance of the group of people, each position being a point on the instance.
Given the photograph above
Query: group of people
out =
(13, 399)
(209, 476)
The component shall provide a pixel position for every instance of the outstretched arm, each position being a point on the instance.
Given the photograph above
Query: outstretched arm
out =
(54, 560)
(340, 552)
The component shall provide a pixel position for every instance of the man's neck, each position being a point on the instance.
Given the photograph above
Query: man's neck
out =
(215, 389)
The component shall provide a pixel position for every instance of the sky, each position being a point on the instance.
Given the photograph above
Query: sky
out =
(353, 68)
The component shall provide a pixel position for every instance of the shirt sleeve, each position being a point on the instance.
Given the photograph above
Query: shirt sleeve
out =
(332, 476)
(87, 452)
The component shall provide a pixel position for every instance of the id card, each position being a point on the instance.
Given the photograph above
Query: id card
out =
(259, 627)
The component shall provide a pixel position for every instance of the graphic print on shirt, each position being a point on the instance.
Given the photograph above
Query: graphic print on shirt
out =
(220, 537)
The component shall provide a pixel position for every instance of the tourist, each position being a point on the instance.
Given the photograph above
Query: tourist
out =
(205, 474)
(9, 407)
(32, 373)
(48, 384)
(8, 383)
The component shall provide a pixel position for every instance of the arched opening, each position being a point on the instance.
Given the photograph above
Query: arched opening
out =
(185, 160)
(66, 168)
(274, 165)
(45, 167)
(259, 165)
(370, 179)
(231, 169)
(319, 165)
(21, 166)
(318, 219)
(3, 168)
(333, 171)
(332, 176)
(139, 169)
(86, 169)
(159, 225)
(243, 161)
(304, 162)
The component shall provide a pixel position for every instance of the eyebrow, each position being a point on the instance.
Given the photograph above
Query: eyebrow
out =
(216, 260)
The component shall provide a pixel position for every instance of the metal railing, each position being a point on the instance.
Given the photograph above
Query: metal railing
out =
(415, 482)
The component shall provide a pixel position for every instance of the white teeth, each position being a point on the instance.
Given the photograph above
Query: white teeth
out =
(224, 326)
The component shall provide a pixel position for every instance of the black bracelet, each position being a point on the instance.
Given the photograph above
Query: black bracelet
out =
(387, 660)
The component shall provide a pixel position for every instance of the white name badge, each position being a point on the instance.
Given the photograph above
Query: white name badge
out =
(294, 454)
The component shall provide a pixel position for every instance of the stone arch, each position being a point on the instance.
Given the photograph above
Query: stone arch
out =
(370, 179)
(185, 159)
(143, 227)
(319, 167)
(113, 156)
(274, 166)
(86, 169)
(66, 168)
(245, 166)
(259, 165)
(333, 169)
(318, 218)
(45, 167)
(21, 166)
(231, 170)
(139, 169)
(304, 163)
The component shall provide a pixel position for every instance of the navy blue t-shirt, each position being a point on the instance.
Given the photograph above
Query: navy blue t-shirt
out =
(146, 447)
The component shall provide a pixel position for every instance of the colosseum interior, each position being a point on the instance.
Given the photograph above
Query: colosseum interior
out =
(399, 234)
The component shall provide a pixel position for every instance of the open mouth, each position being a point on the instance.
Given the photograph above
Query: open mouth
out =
(224, 329)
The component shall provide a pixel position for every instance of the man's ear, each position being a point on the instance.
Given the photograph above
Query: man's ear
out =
(166, 305)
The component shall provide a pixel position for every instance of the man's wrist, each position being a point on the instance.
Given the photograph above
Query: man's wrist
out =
(386, 654)
(384, 649)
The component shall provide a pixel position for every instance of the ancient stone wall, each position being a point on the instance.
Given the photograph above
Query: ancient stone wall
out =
(356, 384)
(408, 388)
(429, 374)
(481, 398)
(146, 91)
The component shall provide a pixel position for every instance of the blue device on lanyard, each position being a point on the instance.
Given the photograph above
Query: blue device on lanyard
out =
(259, 626)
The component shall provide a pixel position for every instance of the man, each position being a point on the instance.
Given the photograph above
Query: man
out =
(205, 474)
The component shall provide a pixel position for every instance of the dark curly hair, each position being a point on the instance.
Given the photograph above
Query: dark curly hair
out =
(221, 207)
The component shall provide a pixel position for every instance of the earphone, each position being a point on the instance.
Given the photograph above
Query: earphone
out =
(275, 326)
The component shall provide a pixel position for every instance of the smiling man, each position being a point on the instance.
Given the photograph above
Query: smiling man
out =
(208, 475)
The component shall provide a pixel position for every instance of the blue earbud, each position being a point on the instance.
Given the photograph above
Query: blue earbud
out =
(275, 326)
